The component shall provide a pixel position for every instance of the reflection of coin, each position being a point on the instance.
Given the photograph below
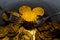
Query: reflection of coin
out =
(14, 13)
(5, 16)
(3, 31)
(23, 36)
(29, 16)
(13, 30)
(23, 9)
(6, 38)
(27, 34)
(11, 34)
(39, 11)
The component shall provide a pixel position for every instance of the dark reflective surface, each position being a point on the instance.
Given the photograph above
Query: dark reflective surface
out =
(14, 5)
